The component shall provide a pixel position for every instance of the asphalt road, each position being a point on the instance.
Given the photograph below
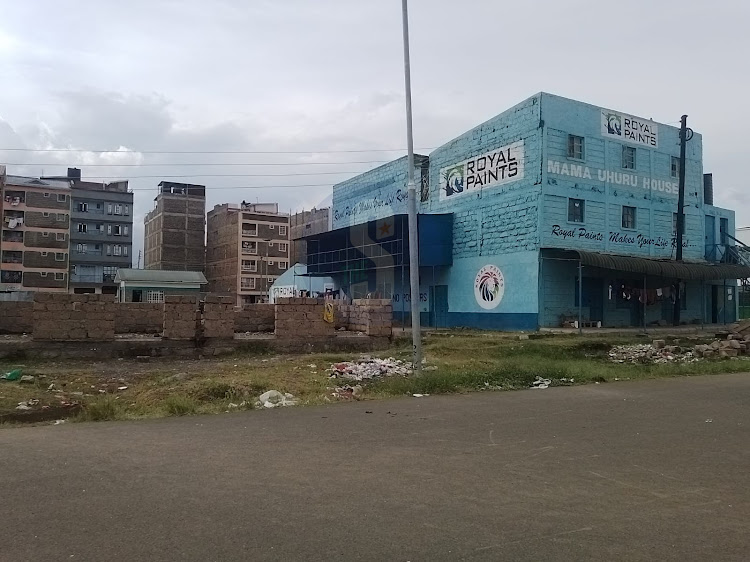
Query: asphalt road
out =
(654, 470)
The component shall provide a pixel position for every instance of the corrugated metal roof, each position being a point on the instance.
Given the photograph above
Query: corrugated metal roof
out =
(160, 276)
(36, 182)
(668, 269)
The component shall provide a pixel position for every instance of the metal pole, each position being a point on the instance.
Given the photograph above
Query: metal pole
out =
(645, 301)
(411, 188)
(680, 212)
(580, 298)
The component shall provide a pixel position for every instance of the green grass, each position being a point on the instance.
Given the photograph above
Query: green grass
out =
(465, 360)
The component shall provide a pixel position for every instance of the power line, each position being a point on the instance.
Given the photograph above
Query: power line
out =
(154, 189)
(82, 165)
(161, 176)
(130, 151)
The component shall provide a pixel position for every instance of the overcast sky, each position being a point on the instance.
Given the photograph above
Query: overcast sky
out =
(326, 76)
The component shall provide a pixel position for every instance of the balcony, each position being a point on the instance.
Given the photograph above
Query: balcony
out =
(92, 278)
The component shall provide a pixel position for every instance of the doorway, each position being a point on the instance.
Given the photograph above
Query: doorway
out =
(440, 306)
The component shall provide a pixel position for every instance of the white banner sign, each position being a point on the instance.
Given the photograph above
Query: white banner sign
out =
(502, 165)
(630, 129)
(607, 176)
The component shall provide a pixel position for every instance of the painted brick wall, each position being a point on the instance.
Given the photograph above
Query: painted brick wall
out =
(605, 186)
(375, 194)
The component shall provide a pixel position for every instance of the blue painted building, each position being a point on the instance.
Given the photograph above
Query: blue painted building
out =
(553, 210)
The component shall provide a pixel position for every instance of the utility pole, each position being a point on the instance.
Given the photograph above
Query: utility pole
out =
(416, 334)
(680, 211)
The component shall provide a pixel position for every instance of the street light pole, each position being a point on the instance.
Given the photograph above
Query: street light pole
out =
(412, 209)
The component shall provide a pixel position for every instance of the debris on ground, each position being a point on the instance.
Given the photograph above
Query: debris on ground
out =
(348, 392)
(540, 382)
(26, 379)
(13, 375)
(367, 368)
(417, 395)
(27, 404)
(275, 399)
(651, 353)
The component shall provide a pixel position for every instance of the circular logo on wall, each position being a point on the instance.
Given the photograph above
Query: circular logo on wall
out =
(489, 287)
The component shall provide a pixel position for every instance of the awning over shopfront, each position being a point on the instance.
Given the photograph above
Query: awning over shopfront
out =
(668, 269)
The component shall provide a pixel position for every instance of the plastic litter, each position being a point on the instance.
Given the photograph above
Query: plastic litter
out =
(368, 368)
(13, 375)
(275, 399)
(26, 379)
(541, 383)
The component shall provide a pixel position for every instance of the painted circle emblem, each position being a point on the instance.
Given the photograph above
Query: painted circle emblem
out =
(489, 287)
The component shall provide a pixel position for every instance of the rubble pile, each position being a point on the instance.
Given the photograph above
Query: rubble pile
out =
(734, 345)
(656, 352)
(368, 368)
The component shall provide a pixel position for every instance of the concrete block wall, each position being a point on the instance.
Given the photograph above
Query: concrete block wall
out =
(181, 317)
(301, 318)
(218, 317)
(372, 316)
(139, 318)
(65, 317)
(16, 317)
(255, 318)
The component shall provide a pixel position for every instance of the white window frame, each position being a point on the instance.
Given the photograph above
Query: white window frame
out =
(253, 251)
(59, 256)
(627, 162)
(83, 227)
(272, 226)
(82, 248)
(45, 233)
(118, 209)
(674, 167)
(283, 247)
(126, 210)
(283, 265)
(250, 286)
(59, 276)
(60, 217)
(46, 194)
(109, 229)
(282, 230)
(125, 230)
(117, 250)
(61, 198)
(155, 297)
(109, 249)
(572, 140)
(83, 207)
(44, 254)
(109, 208)
(116, 230)
(252, 228)
(45, 214)
(125, 251)
(60, 236)
(43, 274)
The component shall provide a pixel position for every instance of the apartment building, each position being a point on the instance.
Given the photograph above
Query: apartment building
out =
(175, 228)
(247, 248)
(34, 246)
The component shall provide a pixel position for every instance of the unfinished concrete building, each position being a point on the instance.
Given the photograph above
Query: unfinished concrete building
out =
(175, 229)
(247, 248)
(306, 223)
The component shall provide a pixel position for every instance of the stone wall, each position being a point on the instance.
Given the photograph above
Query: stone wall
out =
(61, 316)
(255, 318)
(218, 317)
(181, 317)
(16, 317)
(301, 318)
(139, 318)
(372, 316)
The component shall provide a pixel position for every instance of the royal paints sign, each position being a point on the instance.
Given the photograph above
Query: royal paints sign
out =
(383, 202)
(630, 129)
(491, 169)
(624, 179)
(616, 237)
(489, 287)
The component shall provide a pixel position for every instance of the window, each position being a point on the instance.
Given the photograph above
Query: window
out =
(575, 147)
(249, 247)
(249, 229)
(282, 230)
(283, 265)
(272, 227)
(109, 208)
(61, 198)
(45, 214)
(154, 296)
(116, 230)
(59, 277)
(45, 234)
(271, 278)
(81, 248)
(118, 209)
(46, 194)
(575, 210)
(60, 237)
(109, 229)
(125, 250)
(43, 274)
(125, 230)
(99, 229)
(628, 157)
(248, 283)
(109, 250)
(271, 263)
(249, 265)
(82, 227)
(118, 250)
(628, 217)
(83, 207)
(270, 244)
(59, 256)
(126, 209)
(283, 246)
(675, 167)
(44, 254)
(60, 216)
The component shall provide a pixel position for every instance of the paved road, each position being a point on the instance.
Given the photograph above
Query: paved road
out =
(654, 470)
